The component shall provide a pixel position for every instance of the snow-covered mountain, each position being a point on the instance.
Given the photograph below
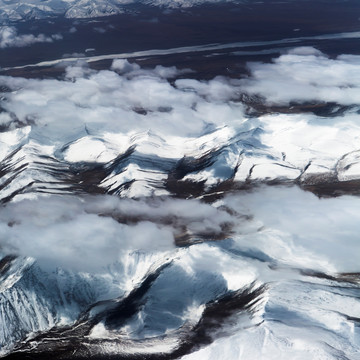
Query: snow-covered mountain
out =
(136, 132)
(125, 189)
(38, 9)
(25, 10)
(266, 290)
(204, 208)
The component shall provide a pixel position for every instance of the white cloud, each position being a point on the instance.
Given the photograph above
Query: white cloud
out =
(306, 75)
(99, 30)
(124, 66)
(97, 115)
(74, 55)
(105, 102)
(301, 230)
(108, 111)
(90, 233)
(57, 37)
(61, 232)
(10, 38)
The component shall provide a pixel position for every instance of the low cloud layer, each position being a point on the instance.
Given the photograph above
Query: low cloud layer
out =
(90, 233)
(95, 116)
(306, 75)
(292, 227)
(9, 37)
(299, 229)
(51, 129)
(60, 232)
